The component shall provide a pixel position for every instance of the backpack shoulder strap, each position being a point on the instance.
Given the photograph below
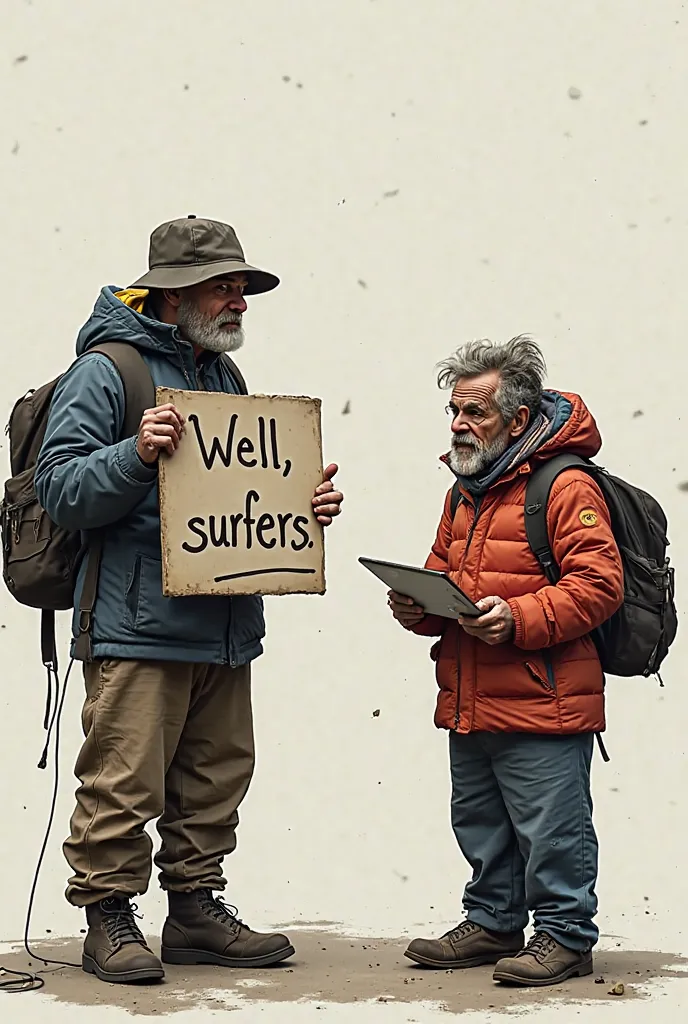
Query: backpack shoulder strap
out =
(456, 499)
(537, 498)
(139, 390)
(236, 373)
(139, 395)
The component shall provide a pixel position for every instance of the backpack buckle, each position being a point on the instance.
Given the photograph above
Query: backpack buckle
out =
(82, 645)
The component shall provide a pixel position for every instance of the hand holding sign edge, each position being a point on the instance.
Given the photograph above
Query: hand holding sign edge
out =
(327, 501)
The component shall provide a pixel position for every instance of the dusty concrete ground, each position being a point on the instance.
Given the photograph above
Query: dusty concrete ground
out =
(334, 968)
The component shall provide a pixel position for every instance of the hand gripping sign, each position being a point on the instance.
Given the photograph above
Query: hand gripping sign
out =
(235, 498)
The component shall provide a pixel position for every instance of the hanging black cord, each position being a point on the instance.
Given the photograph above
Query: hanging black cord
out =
(23, 981)
(50, 718)
(55, 723)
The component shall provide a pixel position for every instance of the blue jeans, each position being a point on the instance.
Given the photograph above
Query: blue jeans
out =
(522, 815)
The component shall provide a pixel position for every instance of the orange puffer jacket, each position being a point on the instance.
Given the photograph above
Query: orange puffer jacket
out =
(549, 679)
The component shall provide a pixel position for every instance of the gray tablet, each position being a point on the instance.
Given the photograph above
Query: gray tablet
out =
(432, 591)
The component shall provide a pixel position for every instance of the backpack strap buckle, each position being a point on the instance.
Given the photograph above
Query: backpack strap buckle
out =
(83, 650)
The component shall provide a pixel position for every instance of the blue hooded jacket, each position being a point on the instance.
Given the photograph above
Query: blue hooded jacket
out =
(87, 478)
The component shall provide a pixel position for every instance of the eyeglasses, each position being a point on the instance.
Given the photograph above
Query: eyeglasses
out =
(472, 414)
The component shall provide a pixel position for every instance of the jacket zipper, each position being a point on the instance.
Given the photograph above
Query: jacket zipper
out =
(182, 363)
(549, 667)
(200, 387)
(469, 538)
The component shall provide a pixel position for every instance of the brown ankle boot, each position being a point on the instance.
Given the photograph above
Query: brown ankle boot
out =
(543, 962)
(467, 945)
(201, 929)
(114, 948)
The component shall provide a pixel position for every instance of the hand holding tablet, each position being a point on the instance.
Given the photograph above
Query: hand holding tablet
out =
(404, 610)
(433, 592)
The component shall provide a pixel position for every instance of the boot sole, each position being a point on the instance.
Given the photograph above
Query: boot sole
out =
(579, 971)
(89, 965)
(453, 965)
(196, 957)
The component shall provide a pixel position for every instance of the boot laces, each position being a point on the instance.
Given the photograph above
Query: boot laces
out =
(461, 931)
(225, 913)
(118, 919)
(540, 946)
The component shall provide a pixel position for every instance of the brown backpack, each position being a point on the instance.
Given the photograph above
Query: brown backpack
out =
(40, 559)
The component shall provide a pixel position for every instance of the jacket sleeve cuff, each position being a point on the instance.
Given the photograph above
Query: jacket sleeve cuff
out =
(429, 625)
(519, 631)
(132, 465)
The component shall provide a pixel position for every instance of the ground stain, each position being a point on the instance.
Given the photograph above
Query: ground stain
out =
(334, 968)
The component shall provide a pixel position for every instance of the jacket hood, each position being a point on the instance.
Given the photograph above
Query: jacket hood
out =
(573, 428)
(112, 320)
(564, 424)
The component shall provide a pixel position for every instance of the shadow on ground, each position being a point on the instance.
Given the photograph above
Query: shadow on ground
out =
(333, 968)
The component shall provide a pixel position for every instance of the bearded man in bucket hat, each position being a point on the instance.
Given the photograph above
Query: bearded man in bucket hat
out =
(167, 718)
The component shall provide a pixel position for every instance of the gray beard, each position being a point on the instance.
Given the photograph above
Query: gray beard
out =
(207, 332)
(480, 457)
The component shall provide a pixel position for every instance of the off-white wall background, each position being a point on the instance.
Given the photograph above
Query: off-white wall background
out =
(418, 175)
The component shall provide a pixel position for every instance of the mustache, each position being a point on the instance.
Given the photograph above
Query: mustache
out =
(465, 439)
(231, 317)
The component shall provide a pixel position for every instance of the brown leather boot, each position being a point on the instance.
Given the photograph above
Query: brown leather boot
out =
(201, 929)
(467, 945)
(114, 948)
(543, 962)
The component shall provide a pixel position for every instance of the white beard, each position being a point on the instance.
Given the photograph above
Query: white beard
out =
(470, 463)
(208, 332)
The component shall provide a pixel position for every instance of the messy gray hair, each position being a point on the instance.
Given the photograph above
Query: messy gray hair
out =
(520, 363)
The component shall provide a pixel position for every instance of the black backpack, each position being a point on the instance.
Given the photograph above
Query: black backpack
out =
(637, 637)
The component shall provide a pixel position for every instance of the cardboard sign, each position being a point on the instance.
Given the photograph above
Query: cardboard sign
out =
(235, 498)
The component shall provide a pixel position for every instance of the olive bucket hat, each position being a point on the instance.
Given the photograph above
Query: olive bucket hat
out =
(191, 250)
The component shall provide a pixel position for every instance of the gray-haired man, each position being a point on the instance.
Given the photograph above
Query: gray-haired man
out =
(521, 688)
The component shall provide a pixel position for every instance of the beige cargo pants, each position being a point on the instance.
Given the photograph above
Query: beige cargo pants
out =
(164, 740)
